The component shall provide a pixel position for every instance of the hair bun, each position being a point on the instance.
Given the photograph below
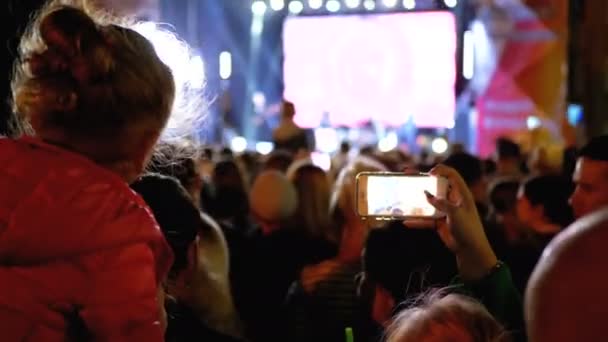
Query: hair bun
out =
(74, 41)
(69, 30)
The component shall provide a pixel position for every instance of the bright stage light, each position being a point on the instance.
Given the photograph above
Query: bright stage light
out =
(468, 55)
(238, 144)
(315, 4)
(258, 7)
(322, 160)
(264, 147)
(277, 5)
(409, 4)
(333, 6)
(439, 145)
(389, 142)
(225, 65)
(369, 5)
(533, 122)
(389, 3)
(197, 72)
(352, 3)
(451, 3)
(296, 7)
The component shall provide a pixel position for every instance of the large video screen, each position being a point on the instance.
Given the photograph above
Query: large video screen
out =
(386, 68)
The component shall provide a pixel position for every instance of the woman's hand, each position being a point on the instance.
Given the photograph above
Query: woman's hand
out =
(462, 230)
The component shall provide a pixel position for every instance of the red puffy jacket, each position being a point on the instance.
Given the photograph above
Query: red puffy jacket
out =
(75, 241)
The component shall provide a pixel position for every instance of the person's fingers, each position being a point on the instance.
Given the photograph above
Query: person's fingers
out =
(453, 178)
(447, 172)
(440, 204)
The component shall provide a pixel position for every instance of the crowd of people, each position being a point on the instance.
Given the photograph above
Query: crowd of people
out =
(108, 234)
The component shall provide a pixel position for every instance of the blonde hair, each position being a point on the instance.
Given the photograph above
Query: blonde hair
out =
(98, 78)
(312, 213)
(344, 193)
(212, 298)
(436, 317)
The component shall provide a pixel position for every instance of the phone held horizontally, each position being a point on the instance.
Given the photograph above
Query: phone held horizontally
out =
(398, 196)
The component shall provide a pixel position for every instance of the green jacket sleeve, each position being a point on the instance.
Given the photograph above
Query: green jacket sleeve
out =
(498, 294)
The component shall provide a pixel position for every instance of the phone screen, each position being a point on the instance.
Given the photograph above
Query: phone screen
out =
(397, 195)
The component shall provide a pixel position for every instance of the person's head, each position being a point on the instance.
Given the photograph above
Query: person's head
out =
(199, 274)
(423, 261)
(273, 200)
(179, 161)
(229, 196)
(344, 147)
(503, 196)
(566, 296)
(507, 149)
(178, 218)
(344, 192)
(278, 160)
(93, 87)
(489, 167)
(227, 173)
(312, 213)
(438, 317)
(508, 156)
(543, 200)
(343, 207)
(471, 170)
(288, 110)
(591, 191)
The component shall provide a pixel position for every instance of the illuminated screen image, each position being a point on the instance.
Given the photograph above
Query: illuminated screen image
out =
(400, 196)
(385, 67)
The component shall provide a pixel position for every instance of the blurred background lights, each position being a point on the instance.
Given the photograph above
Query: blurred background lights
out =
(439, 145)
(450, 3)
(264, 147)
(389, 142)
(333, 6)
(409, 4)
(369, 5)
(277, 5)
(258, 7)
(352, 3)
(389, 3)
(295, 7)
(315, 4)
(238, 144)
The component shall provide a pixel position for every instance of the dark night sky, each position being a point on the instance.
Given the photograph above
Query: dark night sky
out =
(18, 12)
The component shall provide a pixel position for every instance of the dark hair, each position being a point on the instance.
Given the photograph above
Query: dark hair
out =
(344, 146)
(503, 195)
(469, 166)
(229, 196)
(208, 153)
(424, 260)
(489, 166)
(175, 161)
(178, 218)
(552, 192)
(596, 149)
(507, 148)
(279, 160)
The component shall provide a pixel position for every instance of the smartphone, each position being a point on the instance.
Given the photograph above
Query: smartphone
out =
(397, 196)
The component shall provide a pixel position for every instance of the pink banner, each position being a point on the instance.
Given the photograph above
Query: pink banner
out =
(529, 78)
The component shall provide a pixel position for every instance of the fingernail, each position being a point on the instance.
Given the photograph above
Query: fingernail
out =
(428, 194)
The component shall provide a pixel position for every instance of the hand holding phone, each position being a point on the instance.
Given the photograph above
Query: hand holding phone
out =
(462, 231)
